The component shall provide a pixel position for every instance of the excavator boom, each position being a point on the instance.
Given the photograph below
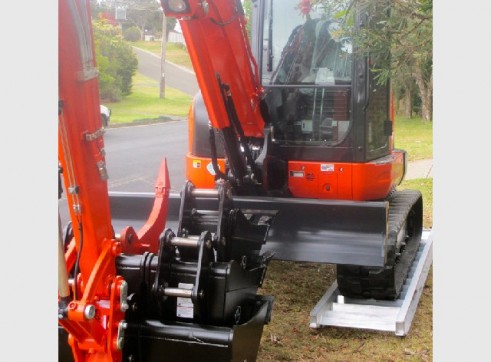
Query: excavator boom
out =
(219, 48)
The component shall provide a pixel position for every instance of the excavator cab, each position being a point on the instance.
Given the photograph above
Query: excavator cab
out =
(326, 122)
(324, 105)
(306, 70)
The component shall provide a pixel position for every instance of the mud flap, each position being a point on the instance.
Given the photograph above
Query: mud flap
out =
(311, 230)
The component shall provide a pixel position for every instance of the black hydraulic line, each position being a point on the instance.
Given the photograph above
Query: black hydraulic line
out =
(77, 261)
(234, 120)
(232, 144)
(214, 158)
(60, 186)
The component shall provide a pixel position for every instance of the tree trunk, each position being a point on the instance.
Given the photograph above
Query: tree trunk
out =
(408, 103)
(426, 93)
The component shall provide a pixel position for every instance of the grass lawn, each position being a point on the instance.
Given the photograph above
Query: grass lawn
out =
(297, 288)
(425, 185)
(174, 53)
(415, 136)
(145, 104)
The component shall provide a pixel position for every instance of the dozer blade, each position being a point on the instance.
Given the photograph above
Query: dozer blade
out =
(327, 231)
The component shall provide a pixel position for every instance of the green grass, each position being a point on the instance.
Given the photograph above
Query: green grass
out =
(297, 288)
(425, 185)
(174, 53)
(145, 104)
(415, 136)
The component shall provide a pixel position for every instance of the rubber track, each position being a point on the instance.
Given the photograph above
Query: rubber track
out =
(387, 282)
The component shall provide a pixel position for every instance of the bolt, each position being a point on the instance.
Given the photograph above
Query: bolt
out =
(117, 248)
(120, 338)
(89, 311)
(120, 343)
(123, 296)
(205, 7)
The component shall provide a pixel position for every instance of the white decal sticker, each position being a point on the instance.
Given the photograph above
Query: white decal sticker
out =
(210, 169)
(327, 167)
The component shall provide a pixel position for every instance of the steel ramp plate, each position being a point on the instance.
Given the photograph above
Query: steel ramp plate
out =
(395, 316)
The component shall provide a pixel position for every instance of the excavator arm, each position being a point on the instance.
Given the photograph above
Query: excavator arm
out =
(227, 73)
(92, 308)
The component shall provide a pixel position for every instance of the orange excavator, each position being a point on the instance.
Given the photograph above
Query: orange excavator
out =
(290, 157)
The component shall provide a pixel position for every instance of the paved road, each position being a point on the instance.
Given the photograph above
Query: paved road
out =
(176, 76)
(134, 155)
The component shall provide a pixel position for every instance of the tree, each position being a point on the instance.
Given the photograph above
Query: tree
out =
(170, 24)
(407, 33)
(247, 5)
(132, 34)
(115, 61)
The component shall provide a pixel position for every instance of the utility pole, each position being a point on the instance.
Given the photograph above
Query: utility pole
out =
(162, 60)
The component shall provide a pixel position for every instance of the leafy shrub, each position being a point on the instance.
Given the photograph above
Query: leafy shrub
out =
(132, 34)
(115, 60)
